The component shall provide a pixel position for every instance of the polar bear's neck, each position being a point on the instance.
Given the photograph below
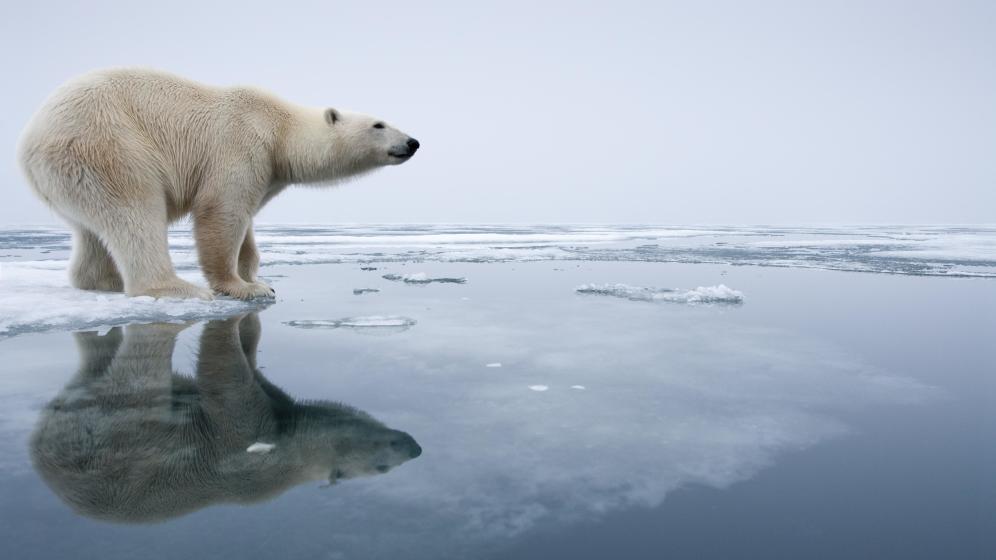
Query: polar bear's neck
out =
(309, 153)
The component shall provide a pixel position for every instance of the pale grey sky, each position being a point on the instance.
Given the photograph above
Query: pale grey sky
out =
(665, 112)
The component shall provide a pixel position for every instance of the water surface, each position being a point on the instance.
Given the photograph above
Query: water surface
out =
(828, 414)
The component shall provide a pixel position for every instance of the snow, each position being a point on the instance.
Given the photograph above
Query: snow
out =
(578, 387)
(422, 278)
(36, 296)
(539, 388)
(493, 365)
(260, 447)
(366, 322)
(700, 295)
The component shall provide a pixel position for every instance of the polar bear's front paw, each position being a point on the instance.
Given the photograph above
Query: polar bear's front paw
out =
(241, 289)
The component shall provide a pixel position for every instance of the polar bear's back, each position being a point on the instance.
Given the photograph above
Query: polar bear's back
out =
(133, 129)
(109, 102)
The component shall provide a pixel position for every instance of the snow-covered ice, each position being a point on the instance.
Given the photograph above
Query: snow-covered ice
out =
(539, 388)
(366, 322)
(36, 296)
(493, 365)
(702, 294)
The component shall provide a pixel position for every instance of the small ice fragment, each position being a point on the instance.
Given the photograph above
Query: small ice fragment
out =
(370, 321)
(361, 291)
(260, 447)
(493, 364)
(538, 387)
(423, 278)
(578, 387)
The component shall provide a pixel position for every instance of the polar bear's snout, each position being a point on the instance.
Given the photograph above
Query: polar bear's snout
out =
(404, 151)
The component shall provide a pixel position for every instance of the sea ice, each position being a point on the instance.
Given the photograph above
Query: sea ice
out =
(702, 294)
(361, 291)
(36, 296)
(370, 321)
(422, 278)
(539, 387)
(260, 447)
(493, 364)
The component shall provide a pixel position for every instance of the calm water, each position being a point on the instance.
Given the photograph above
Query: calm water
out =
(830, 415)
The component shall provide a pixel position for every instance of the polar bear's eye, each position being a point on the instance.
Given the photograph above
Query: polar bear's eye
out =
(379, 125)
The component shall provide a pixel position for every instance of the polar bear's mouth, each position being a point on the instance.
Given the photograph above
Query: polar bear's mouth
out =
(405, 155)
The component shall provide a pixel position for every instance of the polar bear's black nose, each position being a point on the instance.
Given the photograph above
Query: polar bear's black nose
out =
(412, 146)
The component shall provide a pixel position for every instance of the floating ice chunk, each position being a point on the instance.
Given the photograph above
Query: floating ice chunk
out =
(702, 294)
(260, 447)
(361, 291)
(493, 364)
(422, 278)
(538, 387)
(578, 387)
(367, 322)
(36, 296)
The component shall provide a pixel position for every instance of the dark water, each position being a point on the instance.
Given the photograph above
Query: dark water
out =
(831, 415)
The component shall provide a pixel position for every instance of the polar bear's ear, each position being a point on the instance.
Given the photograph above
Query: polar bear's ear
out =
(331, 115)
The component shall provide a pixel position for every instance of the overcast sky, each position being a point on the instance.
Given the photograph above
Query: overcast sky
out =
(683, 112)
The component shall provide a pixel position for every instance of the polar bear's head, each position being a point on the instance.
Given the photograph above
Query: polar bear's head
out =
(326, 146)
(368, 141)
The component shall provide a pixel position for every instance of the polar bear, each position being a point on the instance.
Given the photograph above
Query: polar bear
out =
(119, 154)
(130, 440)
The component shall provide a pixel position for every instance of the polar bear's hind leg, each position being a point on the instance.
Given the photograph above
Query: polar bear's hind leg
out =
(92, 267)
(135, 233)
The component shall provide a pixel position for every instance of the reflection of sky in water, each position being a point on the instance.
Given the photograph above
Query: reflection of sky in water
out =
(674, 396)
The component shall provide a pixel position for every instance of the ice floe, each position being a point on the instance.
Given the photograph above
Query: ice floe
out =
(539, 388)
(361, 291)
(493, 365)
(260, 447)
(702, 294)
(423, 278)
(366, 322)
(36, 296)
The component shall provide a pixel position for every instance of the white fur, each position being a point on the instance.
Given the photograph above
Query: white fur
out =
(121, 153)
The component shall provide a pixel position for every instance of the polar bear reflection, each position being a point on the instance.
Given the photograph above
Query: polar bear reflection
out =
(130, 440)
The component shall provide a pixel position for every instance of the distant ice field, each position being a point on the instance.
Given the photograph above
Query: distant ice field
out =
(920, 250)
(35, 293)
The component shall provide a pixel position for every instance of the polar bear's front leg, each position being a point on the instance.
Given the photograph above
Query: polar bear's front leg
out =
(220, 233)
(248, 257)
